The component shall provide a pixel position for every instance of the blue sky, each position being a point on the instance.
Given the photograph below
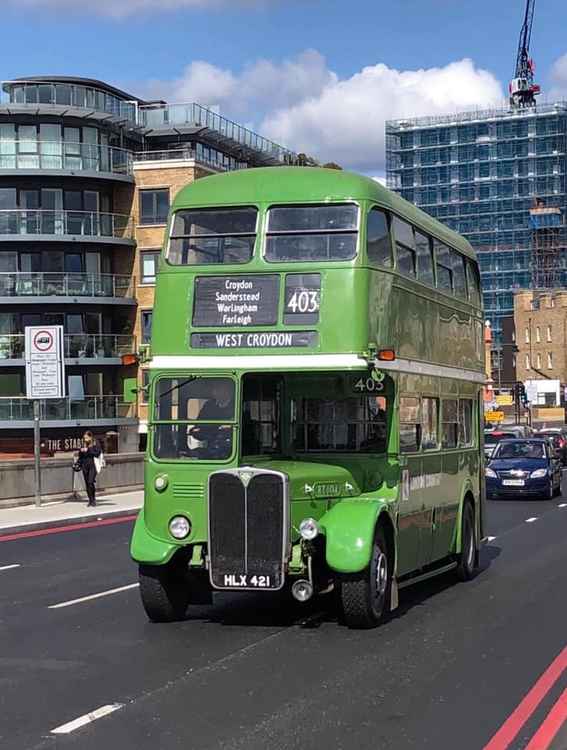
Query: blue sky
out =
(319, 57)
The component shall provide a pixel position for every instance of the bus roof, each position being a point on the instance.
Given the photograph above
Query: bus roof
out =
(309, 184)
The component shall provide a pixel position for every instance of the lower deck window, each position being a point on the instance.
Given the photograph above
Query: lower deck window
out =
(351, 424)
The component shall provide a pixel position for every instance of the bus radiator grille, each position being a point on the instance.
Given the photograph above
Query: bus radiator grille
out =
(247, 529)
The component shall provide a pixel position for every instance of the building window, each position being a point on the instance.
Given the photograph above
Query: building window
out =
(513, 360)
(549, 333)
(154, 206)
(146, 318)
(550, 360)
(527, 361)
(148, 266)
(527, 335)
(538, 361)
(537, 334)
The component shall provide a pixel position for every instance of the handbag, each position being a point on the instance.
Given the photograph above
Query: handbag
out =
(99, 462)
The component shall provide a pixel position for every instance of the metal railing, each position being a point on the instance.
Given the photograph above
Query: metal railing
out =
(456, 118)
(165, 115)
(64, 155)
(60, 222)
(76, 345)
(66, 285)
(188, 154)
(61, 409)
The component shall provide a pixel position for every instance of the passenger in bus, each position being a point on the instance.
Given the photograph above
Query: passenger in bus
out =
(215, 438)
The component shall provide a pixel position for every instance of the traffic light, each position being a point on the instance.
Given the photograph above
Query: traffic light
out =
(520, 395)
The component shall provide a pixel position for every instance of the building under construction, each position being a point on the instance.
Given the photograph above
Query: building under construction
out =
(482, 173)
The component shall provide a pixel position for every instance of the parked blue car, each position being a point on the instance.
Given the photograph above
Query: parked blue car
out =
(527, 467)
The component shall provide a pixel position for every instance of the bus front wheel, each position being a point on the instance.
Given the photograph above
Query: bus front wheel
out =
(164, 592)
(466, 561)
(364, 596)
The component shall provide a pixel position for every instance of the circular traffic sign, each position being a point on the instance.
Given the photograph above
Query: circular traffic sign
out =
(43, 341)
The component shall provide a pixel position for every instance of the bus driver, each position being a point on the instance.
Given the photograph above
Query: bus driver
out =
(215, 438)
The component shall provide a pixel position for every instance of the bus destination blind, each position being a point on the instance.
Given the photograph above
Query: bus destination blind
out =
(250, 300)
(255, 340)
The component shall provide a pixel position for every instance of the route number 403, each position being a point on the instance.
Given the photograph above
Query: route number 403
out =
(368, 385)
(304, 301)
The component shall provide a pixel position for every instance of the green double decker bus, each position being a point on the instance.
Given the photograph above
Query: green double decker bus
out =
(315, 396)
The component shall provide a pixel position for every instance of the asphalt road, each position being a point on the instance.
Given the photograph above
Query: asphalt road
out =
(257, 672)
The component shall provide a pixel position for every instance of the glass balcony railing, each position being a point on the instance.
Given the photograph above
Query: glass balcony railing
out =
(223, 163)
(76, 345)
(58, 222)
(158, 116)
(62, 409)
(64, 155)
(66, 285)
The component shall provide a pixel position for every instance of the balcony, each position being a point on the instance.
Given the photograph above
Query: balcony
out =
(90, 410)
(49, 288)
(189, 154)
(79, 348)
(90, 226)
(220, 130)
(22, 157)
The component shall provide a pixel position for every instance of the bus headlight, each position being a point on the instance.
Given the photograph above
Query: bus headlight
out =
(161, 482)
(179, 527)
(308, 529)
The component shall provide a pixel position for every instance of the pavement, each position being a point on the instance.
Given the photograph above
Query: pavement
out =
(471, 666)
(51, 515)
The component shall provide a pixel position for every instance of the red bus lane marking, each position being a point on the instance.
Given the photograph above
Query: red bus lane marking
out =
(69, 527)
(518, 718)
(553, 722)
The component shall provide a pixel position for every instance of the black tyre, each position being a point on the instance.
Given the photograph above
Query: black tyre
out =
(164, 591)
(365, 596)
(466, 560)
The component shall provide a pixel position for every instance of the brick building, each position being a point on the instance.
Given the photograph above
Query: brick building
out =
(540, 320)
(87, 176)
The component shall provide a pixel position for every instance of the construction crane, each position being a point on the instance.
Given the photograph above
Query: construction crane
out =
(523, 90)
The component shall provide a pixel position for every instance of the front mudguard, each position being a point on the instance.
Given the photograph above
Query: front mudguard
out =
(146, 549)
(349, 531)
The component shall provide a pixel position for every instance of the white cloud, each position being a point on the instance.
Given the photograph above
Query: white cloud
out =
(304, 105)
(123, 8)
(345, 121)
(261, 87)
(558, 79)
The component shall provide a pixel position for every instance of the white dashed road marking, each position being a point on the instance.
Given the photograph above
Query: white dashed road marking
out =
(9, 567)
(531, 520)
(81, 721)
(93, 596)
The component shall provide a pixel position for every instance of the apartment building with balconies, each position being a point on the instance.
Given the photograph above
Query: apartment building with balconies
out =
(87, 175)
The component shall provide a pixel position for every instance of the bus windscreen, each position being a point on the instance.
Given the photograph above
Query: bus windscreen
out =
(212, 236)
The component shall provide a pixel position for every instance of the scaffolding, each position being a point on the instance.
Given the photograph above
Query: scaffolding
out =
(548, 244)
(480, 173)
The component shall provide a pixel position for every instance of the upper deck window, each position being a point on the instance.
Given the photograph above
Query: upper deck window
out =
(312, 233)
(212, 236)
(405, 247)
(378, 244)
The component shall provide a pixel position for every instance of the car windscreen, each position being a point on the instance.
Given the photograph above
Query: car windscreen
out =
(212, 236)
(493, 438)
(523, 449)
(312, 233)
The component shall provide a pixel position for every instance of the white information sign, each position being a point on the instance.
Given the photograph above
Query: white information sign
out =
(45, 363)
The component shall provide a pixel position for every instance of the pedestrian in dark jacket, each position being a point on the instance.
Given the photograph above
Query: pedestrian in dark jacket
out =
(86, 463)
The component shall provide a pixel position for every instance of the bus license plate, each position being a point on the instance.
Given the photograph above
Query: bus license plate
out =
(513, 482)
(239, 581)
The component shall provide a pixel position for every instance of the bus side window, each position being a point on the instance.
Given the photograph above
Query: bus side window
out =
(379, 247)
(424, 259)
(465, 422)
(410, 425)
(429, 420)
(405, 247)
(450, 423)
(444, 267)
(459, 277)
(474, 283)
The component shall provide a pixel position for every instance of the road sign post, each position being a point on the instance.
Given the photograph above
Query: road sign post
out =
(45, 378)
